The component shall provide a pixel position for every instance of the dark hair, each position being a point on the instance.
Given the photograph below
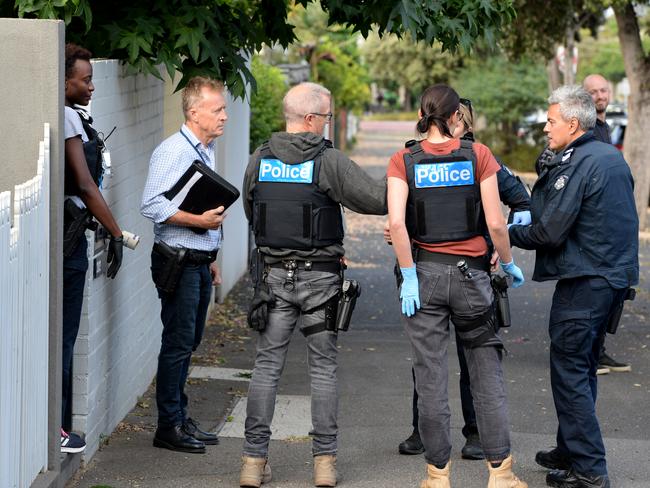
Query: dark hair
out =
(437, 104)
(72, 53)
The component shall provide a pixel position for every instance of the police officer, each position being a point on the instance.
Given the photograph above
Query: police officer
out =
(83, 201)
(585, 233)
(512, 193)
(442, 197)
(598, 88)
(293, 187)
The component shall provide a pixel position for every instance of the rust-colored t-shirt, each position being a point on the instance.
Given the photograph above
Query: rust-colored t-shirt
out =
(486, 166)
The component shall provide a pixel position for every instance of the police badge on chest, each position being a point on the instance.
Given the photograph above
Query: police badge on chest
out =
(560, 182)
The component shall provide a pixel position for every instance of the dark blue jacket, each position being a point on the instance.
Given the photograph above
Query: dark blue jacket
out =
(584, 217)
(512, 191)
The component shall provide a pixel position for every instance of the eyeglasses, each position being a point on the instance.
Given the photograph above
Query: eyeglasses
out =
(467, 103)
(328, 115)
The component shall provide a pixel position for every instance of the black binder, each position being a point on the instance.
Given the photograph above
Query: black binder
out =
(201, 189)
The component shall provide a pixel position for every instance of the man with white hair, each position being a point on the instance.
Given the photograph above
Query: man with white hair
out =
(293, 190)
(585, 233)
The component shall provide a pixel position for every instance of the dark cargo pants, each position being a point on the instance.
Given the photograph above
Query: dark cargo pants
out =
(443, 290)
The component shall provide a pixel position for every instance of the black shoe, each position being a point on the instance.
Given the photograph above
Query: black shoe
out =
(571, 479)
(176, 439)
(553, 459)
(473, 448)
(606, 361)
(412, 445)
(191, 427)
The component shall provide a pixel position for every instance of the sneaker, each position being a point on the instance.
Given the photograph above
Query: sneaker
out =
(412, 445)
(606, 361)
(602, 369)
(71, 442)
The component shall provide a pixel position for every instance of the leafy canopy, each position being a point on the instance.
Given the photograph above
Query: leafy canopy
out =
(216, 37)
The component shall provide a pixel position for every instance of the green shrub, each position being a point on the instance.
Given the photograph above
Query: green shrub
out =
(266, 102)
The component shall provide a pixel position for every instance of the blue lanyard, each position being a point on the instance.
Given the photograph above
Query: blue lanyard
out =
(194, 147)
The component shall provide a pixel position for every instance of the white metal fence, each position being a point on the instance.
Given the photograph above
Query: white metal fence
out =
(24, 326)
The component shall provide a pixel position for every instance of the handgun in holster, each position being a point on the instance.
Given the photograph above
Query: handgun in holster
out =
(172, 269)
(615, 316)
(347, 300)
(500, 287)
(75, 222)
(263, 297)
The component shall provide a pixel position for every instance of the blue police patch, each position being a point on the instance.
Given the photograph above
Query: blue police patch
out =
(437, 175)
(275, 171)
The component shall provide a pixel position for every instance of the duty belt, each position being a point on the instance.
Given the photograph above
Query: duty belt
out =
(305, 265)
(422, 255)
(193, 256)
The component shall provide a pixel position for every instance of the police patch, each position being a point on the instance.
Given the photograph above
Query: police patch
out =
(275, 171)
(560, 182)
(438, 175)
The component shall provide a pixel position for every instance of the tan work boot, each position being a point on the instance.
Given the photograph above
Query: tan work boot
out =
(325, 470)
(436, 478)
(503, 477)
(254, 472)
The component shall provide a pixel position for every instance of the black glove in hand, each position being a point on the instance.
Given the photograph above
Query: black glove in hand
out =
(114, 258)
(258, 312)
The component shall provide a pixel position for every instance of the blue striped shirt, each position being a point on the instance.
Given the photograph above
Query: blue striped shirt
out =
(168, 163)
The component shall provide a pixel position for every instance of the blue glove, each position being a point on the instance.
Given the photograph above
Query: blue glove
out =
(522, 218)
(410, 292)
(513, 270)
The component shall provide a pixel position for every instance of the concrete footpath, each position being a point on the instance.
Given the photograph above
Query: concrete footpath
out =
(375, 385)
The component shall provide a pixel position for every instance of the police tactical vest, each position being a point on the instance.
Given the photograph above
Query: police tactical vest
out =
(290, 210)
(444, 201)
(92, 151)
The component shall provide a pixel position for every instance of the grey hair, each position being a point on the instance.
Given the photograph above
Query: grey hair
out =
(303, 99)
(575, 101)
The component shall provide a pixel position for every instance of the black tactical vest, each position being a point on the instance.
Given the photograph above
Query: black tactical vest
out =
(93, 153)
(444, 201)
(289, 209)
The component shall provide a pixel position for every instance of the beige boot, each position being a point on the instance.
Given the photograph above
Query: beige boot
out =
(436, 478)
(503, 477)
(325, 470)
(254, 472)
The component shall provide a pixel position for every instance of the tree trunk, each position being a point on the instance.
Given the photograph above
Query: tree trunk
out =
(553, 74)
(569, 75)
(637, 69)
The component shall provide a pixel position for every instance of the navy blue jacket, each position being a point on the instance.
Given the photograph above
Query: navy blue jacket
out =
(512, 191)
(584, 217)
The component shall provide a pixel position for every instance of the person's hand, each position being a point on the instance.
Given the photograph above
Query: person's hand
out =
(513, 270)
(213, 218)
(215, 272)
(522, 218)
(114, 256)
(494, 262)
(410, 292)
(387, 237)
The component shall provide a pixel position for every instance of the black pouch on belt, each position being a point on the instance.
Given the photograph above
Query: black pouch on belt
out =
(172, 267)
(615, 317)
(500, 287)
(350, 291)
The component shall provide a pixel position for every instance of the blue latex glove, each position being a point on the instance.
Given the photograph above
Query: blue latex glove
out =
(522, 218)
(513, 270)
(410, 292)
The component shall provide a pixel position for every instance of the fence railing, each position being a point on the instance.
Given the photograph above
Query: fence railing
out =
(24, 325)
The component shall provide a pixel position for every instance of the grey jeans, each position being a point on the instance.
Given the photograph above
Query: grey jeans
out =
(301, 304)
(443, 290)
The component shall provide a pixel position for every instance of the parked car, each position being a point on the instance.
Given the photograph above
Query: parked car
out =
(617, 127)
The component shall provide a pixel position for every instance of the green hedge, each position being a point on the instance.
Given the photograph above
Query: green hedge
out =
(266, 102)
